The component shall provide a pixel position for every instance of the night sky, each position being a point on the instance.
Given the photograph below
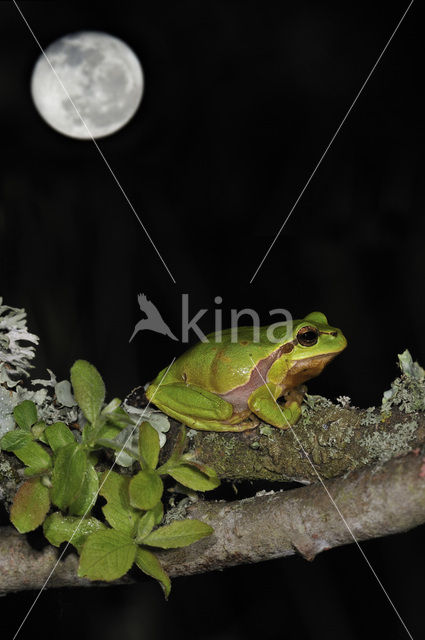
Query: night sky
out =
(241, 99)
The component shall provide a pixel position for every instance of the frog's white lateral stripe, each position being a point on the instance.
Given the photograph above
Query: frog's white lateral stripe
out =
(89, 508)
(95, 143)
(319, 477)
(332, 140)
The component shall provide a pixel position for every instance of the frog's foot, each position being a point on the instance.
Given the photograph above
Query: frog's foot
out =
(198, 408)
(292, 412)
(251, 423)
(295, 395)
(263, 403)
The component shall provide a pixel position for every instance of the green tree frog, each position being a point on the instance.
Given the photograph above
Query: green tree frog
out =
(217, 385)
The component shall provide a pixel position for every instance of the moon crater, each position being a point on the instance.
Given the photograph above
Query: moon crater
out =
(102, 76)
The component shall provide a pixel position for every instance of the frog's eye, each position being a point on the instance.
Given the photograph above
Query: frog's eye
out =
(308, 336)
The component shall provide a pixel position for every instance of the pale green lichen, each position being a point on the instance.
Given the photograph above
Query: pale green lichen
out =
(178, 511)
(5, 468)
(266, 430)
(49, 408)
(344, 401)
(158, 420)
(407, 392)
(8, 479)
(14, 356)
(317, 402)
(306, 414)
(370, 416)
(311, 404)
(54, 399)
(6, 408)
(383, 445)
(128, 437)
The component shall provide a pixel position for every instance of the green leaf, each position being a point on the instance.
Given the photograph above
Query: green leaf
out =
(117, 416)
(107, 432)
(178, 534)
(145, 489)
(112, 444)
(38, 431)
(112, 422)
(58, 435)
(86, 497)
(30, 505)
(148, 445)
(21, 442)
(118, 511)
(35, 457)
(93, 457)
(16, 439)
(25, 414)
(68, 474)
(192, 477)
(145, 526)
(107, 555)
(58, 528)
(158, 512)
(111, 406)
(179, 445)
(149, 564)
(89, 389)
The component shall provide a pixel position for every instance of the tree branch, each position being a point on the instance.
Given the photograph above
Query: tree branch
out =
(356, 451)
(336, 439)
(373, 502)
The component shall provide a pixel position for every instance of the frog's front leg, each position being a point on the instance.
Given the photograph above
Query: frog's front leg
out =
(263, 403)
(198, 408)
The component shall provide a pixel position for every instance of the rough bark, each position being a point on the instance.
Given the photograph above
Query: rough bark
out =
(335, 439)
(372, 502)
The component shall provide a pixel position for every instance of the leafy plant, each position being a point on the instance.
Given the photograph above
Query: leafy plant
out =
(63, 485)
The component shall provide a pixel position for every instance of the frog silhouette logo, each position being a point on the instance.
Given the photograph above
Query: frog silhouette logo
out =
(153, 321)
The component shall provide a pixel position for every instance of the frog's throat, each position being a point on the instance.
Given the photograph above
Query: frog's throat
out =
(304, 370)
(301, 371)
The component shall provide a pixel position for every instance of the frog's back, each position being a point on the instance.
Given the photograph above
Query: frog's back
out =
(222, 365)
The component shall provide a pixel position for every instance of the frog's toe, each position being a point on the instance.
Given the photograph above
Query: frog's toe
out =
(292, 413)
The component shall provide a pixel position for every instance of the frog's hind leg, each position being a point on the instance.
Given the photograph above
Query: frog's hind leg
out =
(208, 425)
(198, 408)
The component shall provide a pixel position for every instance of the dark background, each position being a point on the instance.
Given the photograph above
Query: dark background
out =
(241, 99)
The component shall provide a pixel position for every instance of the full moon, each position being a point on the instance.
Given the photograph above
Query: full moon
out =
(102, 76)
